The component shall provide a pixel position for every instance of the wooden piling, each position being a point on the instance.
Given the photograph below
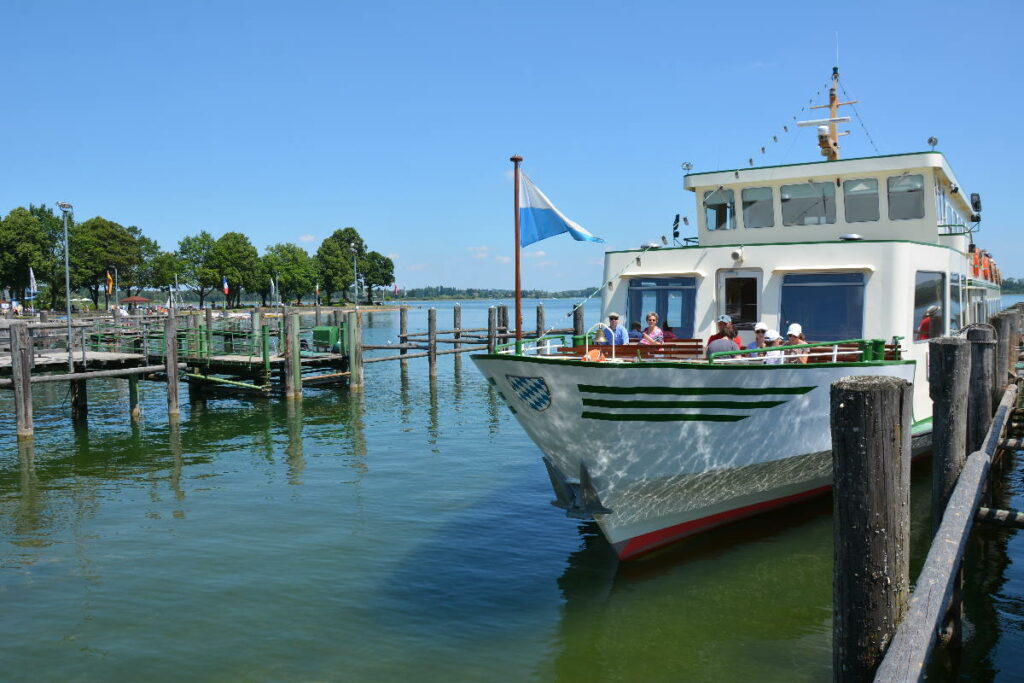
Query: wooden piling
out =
(355, 352)
(171, 360)
(209, 333)
(949, 365)
(432, 341)
(492, 329)
(79, 399)
(457, 326)
(503, 324)
(541, 327)
(316, 314)
(292, 358)
(578, 329)
(403, 333)
(979, 396)
(134, 407)
(44, 316)
(21, 355)
(871, 420)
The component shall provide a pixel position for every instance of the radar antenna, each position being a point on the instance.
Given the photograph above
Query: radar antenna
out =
(828, 129)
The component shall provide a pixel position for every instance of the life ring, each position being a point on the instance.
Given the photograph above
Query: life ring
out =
(594, 356)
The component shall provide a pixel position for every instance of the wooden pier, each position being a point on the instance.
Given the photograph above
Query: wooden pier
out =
(884, 629)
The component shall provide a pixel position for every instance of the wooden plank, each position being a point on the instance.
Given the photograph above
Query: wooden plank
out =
(871, 418)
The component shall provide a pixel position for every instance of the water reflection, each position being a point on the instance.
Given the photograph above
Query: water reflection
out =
(294, 450)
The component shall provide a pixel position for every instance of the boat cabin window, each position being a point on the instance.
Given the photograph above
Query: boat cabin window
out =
(829, 306)
(758, 208)
(672, 298)
(860, 197)
(720, 209)
(808, 204)
(929, 309)
(906, 197)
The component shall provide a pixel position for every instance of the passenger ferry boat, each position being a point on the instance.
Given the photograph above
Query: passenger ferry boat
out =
(872, 256)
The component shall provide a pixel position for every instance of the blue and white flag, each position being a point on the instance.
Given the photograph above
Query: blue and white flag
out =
(33, 289)
(539, 219)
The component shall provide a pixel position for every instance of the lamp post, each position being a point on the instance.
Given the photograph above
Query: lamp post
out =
(65, 208)
(355, 275)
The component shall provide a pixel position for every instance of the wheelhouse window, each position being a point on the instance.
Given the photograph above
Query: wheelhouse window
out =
(720, 209)
(929, 312)
(829, 306)
(860, 197)
(808, 204)
(672, 298)
(906, 197)
(758, 209)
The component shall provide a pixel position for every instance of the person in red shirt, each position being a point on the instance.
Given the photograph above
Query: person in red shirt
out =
(724, 326)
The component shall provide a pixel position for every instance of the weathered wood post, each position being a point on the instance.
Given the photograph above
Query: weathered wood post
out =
(1001, 324)
(338, 317)
(21, 368)
(355, 352)
(492, 329)
(541, 326)
(503, 322)
(171, 359)
(578, 329)
(209, 333)
(44, 316)
(254, 336)
(979, 398)
(871, 420)
(316, 314)
(432, 341)
(403, 332)
(292, 358)
(79, 399)
(949, 364)
(134, 408)
(457, 326)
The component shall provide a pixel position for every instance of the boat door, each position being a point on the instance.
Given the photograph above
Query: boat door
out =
(739, 297)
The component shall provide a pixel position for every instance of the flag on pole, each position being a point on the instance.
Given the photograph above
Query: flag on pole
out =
(110, 283)
(539, 219)
(271, 287)
(33, 289)
(318, 290)
(224, 284)
(396, 289)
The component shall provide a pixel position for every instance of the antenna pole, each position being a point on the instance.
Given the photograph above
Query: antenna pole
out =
(833, 112)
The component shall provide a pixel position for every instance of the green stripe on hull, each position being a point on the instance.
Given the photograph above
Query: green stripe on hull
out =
(691, 391)
(611, 403)
(656, 417)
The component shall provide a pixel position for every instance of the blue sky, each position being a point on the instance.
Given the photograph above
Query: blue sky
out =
(287, 121)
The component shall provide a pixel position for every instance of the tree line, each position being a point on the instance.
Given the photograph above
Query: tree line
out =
(34, 238)
(442, 292)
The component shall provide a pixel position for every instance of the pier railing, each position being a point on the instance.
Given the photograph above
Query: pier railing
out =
(846, 350)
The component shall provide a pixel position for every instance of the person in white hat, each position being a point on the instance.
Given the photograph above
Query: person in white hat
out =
(773, 356)
(759, 337)
(795, 336)
(924, 330)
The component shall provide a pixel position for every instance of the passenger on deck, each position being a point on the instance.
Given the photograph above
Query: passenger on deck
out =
(924, 330)
(668, 334)
(795, 335)
(730, 342)
(653, 334)
(635, 332)
(724, 324)
(615, 336)
(771, 356)
(759, 333)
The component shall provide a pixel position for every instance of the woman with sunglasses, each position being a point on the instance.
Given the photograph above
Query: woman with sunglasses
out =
(653, 333)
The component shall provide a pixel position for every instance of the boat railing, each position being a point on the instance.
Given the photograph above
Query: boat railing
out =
(541, 346)
(829, 352)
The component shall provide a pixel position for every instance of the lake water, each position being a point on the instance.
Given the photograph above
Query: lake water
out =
(403, 533)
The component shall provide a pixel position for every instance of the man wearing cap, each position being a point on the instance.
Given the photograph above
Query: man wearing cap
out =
(773, 357)
(724, 324)
(618, 335)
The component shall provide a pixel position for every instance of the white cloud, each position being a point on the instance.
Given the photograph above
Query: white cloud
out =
(502, 259)
(545, 264)
(393, 257)
(479, 252)
(416, 266)
(306, 238)
(534, 254)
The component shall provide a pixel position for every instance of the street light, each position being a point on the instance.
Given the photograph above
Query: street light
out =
(355, 275)
(66, 208)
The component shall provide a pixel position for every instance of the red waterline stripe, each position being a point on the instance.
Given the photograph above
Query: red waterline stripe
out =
(640, 545)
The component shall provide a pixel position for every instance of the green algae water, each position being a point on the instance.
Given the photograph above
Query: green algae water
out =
(402, 533)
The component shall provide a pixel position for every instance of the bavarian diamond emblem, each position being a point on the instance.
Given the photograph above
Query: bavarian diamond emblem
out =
(531, 390)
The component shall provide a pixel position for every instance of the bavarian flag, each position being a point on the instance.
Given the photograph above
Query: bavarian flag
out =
(539, 219)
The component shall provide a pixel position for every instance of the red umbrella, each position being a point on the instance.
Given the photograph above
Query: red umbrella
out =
(135, 300)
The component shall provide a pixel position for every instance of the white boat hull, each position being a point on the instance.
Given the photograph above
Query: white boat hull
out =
(665, 450)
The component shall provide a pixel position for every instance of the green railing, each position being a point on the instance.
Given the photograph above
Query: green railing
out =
(869, 350)
(524, 346)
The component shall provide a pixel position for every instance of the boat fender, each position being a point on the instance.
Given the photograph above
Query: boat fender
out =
(594, 355)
